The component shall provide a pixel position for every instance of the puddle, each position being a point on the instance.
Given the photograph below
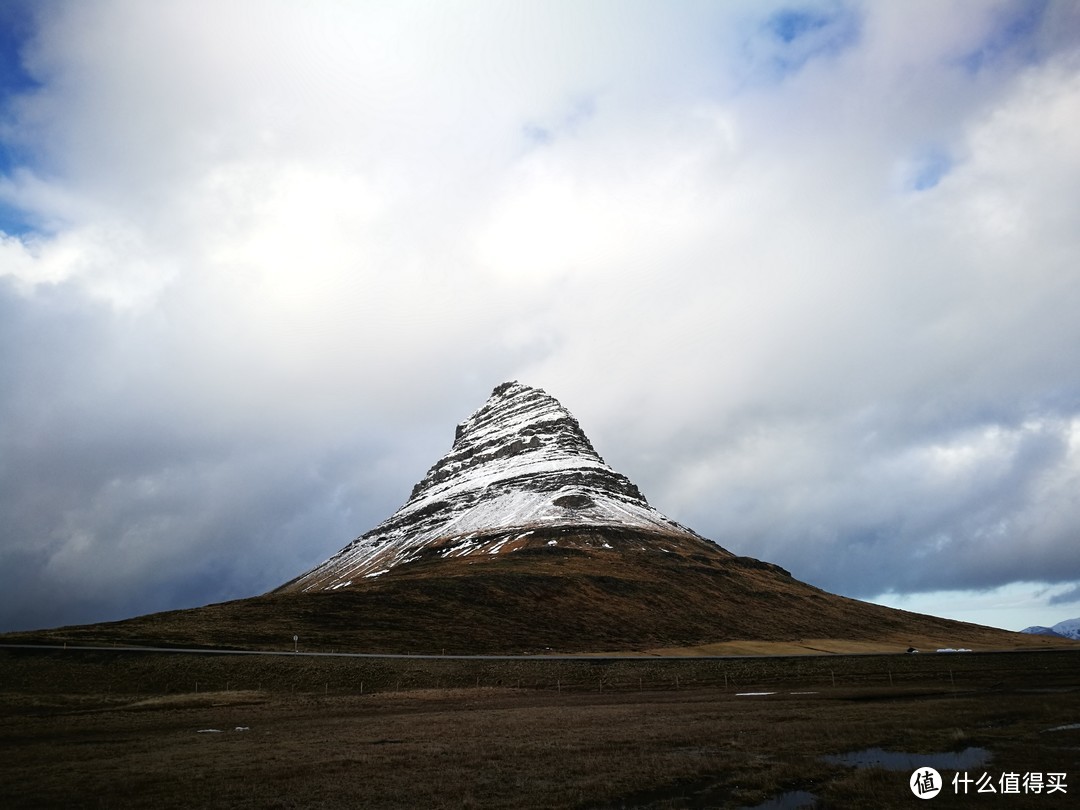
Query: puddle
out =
(788, 801)
(1070, 727)
(903, 761)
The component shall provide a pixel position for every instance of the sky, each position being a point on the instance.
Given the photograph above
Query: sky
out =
(808, 273)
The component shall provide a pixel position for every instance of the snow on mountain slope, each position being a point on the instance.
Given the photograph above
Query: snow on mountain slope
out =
(1070, 628)
(1038, 630)
(519, 463)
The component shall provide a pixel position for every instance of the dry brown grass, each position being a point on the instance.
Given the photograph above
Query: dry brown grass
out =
(846, 646)
(545, 598)
(200, 700)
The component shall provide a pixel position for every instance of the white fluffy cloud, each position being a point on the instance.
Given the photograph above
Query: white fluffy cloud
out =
(806, 273)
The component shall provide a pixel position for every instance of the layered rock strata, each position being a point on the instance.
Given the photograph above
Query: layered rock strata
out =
(520, 466)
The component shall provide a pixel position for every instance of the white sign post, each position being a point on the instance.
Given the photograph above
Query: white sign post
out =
(294, 640)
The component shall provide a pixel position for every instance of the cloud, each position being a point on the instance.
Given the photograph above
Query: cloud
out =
(804, 272)
(1069, 597)
(1012, 27)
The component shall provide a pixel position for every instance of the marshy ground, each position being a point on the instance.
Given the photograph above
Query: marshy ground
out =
(115, 729)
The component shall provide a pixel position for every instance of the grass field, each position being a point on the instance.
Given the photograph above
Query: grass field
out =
(113, 729)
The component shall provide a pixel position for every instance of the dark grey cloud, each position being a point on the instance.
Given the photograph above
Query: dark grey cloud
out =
(117, 500)
(1069, 597)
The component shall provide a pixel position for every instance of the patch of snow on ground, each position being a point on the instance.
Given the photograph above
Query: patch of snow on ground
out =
(753, 694)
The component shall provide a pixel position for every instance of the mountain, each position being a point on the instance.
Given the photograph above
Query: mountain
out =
(520, 467)
(1039, 630)
(1070, 628)
(522, 539)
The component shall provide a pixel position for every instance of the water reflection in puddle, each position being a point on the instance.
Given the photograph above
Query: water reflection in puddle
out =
(788, 801)
(904, 761)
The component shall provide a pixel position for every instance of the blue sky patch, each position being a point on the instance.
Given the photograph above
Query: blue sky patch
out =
(1012, 34)
(785, 41)
(14, 222)
(788, 25)
(17, 25)
(930, 168)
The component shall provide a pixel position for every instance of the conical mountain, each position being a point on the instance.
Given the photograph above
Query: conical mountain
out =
(519, 464)
(522, 539)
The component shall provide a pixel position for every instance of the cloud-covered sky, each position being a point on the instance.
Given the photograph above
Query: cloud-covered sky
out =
(807, 273)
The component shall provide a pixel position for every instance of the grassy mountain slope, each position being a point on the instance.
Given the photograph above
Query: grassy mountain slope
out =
(596, 590)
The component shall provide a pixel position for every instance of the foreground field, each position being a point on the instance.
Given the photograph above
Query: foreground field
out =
(169, 730)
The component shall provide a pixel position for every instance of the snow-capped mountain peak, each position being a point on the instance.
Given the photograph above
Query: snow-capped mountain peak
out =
(519, 464)
(1070, 628)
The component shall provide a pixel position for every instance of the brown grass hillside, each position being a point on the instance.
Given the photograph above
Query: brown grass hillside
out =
(576, 597)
